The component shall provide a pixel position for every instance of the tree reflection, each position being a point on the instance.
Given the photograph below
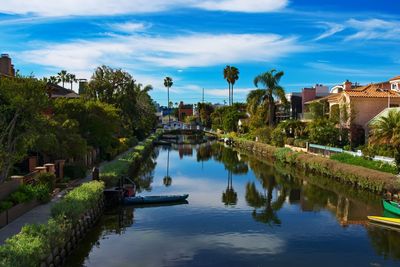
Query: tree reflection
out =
(143, 177)
(167, 179)
(385, 242)
(229, 197)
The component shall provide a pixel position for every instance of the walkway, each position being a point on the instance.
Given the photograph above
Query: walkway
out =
(41, 214)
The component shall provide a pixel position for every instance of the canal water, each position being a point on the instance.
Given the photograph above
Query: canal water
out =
(241, 212)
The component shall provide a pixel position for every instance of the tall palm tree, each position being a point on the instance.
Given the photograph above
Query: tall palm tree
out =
(167, 179)
(386, 130)
(62, 76)
(270, 81)
(229, 197)
(71, 78)
(231, 75)
(168, 84)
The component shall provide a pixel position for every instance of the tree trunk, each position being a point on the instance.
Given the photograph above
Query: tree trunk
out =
(271, 110)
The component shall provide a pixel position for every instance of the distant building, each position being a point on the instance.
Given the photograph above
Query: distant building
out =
(184, 111)
(6, 67)
(312, 93)
(56, 91)
(292, 109)
(83, 86)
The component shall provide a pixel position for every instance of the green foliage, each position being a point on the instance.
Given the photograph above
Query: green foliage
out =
(263, 134)
(22, 101)
(205, 111)
(78, 201)
(48, 179)
(300, 143)
(75, 171)
(323, 132)
(117, 87)
(289, 141)
(278, 137)
(359, 161)
(5, 205)
(317, 110)
(227, 117)
(42, 192)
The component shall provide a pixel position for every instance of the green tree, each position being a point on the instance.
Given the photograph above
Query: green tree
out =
(117, 87)
(386, 131)
(62, 76)
(205, 111)
(231, 75)
(71, 78)
(168, 84)
(323, 132)
(270, 81)
(22, 105)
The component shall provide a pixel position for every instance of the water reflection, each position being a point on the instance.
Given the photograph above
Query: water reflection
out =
(319, 219)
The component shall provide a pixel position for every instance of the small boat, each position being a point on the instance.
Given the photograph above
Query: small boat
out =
(391, 206)
(385, 220)
(154, 199)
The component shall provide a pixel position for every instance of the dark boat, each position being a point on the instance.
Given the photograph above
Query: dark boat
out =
(154, 199)
(391, 206)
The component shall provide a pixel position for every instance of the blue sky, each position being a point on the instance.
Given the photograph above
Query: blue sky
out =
(192, 41)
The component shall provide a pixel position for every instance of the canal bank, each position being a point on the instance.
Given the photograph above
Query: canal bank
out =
(356, 176)
(64, 223)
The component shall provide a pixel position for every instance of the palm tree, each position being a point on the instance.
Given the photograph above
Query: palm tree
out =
(71, 78)
(386, 130)
(231, 75)
(62, 76)
(168, 84)
(270, 81)
(53, 80)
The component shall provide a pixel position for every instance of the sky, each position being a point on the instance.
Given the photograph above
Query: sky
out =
(312, 41)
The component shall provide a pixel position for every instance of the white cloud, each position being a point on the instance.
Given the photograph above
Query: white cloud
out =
(250, 6)
(119, 7)
(371, 29)
(374, 29)
(128, 27)
(330, 29)
(134, 51)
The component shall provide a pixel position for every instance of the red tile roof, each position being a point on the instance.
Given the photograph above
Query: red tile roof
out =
(375, 90)
(395, 78)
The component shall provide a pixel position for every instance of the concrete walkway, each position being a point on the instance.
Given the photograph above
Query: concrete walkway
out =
(41, 213)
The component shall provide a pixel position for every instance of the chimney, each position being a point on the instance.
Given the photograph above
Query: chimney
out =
(347, 85)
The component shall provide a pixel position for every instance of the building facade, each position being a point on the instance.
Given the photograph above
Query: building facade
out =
(6, 66)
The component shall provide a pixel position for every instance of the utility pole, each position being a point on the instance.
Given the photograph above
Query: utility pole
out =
(203, 96)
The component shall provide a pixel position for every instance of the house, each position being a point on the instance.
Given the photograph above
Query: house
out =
(6, 67)
(296, 102)
(56, 91)
(184, 111)
(361, 103)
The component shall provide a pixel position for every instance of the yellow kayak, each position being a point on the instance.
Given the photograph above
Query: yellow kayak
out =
(385, 220)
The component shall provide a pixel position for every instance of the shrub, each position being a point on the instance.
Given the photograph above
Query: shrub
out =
(21, 196)
(277, 137)
(79, 200)
(75, 171)
(290, 141)
(375, 165)
(263, 134)
(5, 205)
(48, 179)
(300, 143)
(42, 192)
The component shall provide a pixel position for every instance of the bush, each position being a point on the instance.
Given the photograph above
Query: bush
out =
(300, 143)
(22, 195)
(78, 201)
(42, 192)
(359, 161)
(5, 205)
(48, 179)
(277, 137)
(263, 134)
(75, 171)
(290, 141)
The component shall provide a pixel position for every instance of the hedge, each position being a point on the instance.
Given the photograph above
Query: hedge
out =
(359, 161)
(36, 241)
(358, 176)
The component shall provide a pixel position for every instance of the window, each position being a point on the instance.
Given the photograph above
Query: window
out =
(394, 86)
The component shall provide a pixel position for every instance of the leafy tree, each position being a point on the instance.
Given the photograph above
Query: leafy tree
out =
(323, 132)
(22, 105)
(97, 122)
(117, 87)
(317, 110)
(270, 81)
(205, 111)
(386, 131)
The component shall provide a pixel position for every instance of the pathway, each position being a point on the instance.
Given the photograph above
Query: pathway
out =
(41, 213)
